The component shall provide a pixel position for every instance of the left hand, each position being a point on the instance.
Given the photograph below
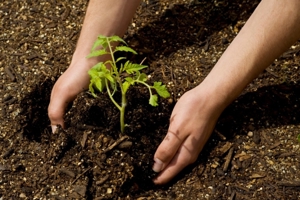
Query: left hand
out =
(191, 124)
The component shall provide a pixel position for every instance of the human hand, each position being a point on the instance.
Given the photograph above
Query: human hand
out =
(74, 80)
(191, 124)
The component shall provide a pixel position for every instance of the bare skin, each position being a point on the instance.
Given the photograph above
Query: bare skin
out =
(105, 17)
(272, 28)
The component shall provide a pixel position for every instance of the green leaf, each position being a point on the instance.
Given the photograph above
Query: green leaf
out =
(93, 73)
(98, 83)
(129, 80)
(121, 58)
(109, 77)
(101, 41)
(113, 86)
(298, 137)
(143, 77)
(91, 89)
(161, 89)
(130, 68)
(97, 67)
(103, 68)
(108, 63)
(126, 85)
(97, 53)
(98, 74)
(126, 49)
(153, 100)
(116, 38)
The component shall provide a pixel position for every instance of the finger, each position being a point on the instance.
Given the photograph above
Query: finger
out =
(167, 149)
(60, 98)
(65, 90)
(185, 155)
(56, 111)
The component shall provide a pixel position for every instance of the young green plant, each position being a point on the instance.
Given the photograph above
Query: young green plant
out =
(119, 75)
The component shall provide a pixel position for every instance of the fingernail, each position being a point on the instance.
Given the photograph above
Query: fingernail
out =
(53, 127)
(158, 165)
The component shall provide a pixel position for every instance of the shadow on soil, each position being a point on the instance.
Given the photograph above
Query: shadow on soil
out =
(267, 107)
(185, 25)
(35, 106)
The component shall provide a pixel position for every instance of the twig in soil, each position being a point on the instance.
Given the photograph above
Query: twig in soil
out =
(85, 127)
(80, 175)
(272, 73)
(174, 82)
(241, 188)
(11, 101)
(101, 181)
(228, 159)
(84, 138)
(232, 197)
(220, 135)
(7, 98)
(8, 153)
(8, 71)
(289, 183)
(163, 71)
(287, 154)
(269, 194)
(67, 172)
(275, 145)
(116, 143)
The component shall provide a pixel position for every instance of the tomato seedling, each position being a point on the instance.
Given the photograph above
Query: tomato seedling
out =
(110, 76)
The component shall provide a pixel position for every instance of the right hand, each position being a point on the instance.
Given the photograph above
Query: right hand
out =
(191, 123)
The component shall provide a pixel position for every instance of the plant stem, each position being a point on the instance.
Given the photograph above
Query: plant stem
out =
(111, 97)
(122, 112)
(148, 86)
(114, 65)
(124, 102)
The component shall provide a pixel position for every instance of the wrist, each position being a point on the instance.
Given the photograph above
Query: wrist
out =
(80, 59)
(214, 98)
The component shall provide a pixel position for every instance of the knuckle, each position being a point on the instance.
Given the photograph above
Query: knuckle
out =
(188, 159)
(164, 154)
(53, 114)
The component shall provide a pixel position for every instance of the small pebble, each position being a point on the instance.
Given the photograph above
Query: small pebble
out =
(109, 191)
(80, 189)
(170, 100)
(125, 145)
(22, 195)
(250, 134)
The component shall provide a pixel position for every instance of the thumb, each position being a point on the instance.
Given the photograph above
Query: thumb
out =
(174, 139)
(166, 150)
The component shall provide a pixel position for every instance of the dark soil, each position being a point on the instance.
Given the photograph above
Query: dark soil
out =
(253, 152)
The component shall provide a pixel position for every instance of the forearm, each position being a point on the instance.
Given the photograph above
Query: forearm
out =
(272, 28)
(105, 17)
